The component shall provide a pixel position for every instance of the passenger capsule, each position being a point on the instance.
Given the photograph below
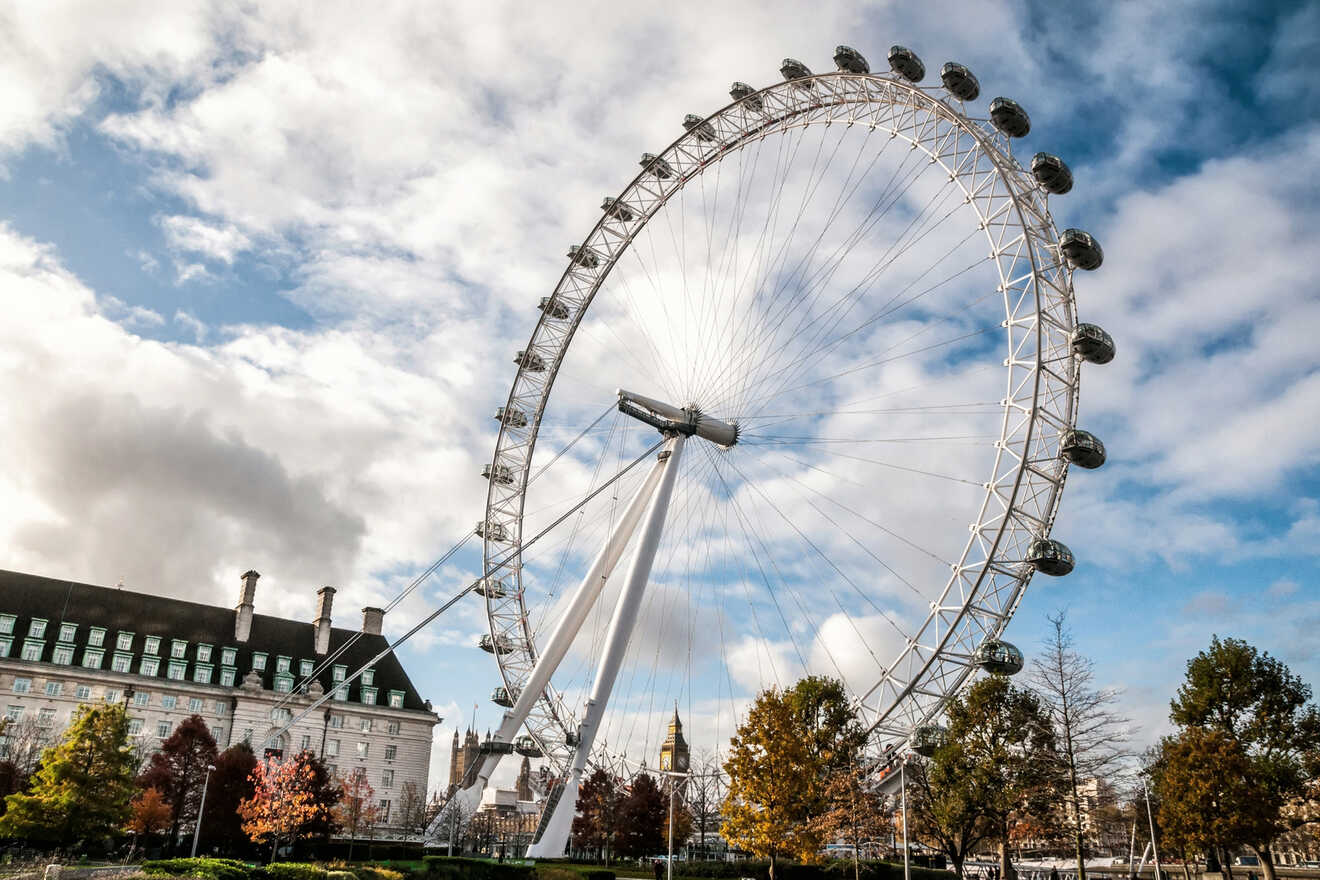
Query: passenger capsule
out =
(999, 658)
(494, 746)
(583, 256)
(514, 418)
(498, 473)
(1081, 249)
(527, 747)
(530, 361)
(904, 62)
(492, 531)
(1082, 448)
(491, 645)
(849, 60)
(491, 588)
(502, 697)
(794, 69)
(1051, 557)
(960, 81)
(1093, 344)
(553, 308)
(741, 91)
(1009, 117)
(616, 209)
(657, 166)
(699, 127)
(571, 739)
(927, 739)
(1052, 173)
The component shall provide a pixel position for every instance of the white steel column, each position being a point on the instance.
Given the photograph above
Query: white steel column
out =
(565, 631)
(555, 836)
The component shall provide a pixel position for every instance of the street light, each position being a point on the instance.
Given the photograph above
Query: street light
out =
(201, 809)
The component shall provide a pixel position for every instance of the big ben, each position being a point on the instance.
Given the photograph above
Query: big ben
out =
(674, 752)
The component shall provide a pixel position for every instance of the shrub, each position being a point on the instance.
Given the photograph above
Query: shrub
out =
(373, 872)
(289, 871)
(340, 874)
(597, 875)
(453, 868)
(211, 869)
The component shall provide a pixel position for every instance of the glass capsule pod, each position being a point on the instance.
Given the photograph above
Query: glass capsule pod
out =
(1009, 117)
(491, 588)
(927, 739)
(657, 166)
(616, 209)
(741, 91)
(1050, 557)
(1082, 448)
(999, 657)
(530, 361)
(527, 747)
(571, 739)
(553, 308)
(1052, 173)
(492, 531)
(1081, 249)
(583, 256)
(1093, 344)
(504, 697)
(701, 129)
(507, 415)
(493, 645)
(499, 473)
(849, 60)
(794, 69)
(904, 62)
(960, 81)
(494, 746)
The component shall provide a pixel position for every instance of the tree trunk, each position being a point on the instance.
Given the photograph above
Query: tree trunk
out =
(1266, 861)
(957, 866)
(1006, 869)
(772, 866)
(1226, 859)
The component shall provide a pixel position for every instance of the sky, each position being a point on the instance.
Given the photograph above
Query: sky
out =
(263, 269)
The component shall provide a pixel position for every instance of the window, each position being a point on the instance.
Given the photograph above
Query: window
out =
(368, 696)
(341, 692)
(365, 723)
(228, 657)
(92, 659)
(247, 736)
(305, 743)
(178, 670)
(149, 666)
(259, 661)
(227, 677)
(124, 641)
(391, 752)
(68, 631)
(178, 648)
(14, 713)
(221, 707)
(194, 704)
(22, 685)
(386, 778)
(46, 717)
(282, 664)
(62, 655)
(82, 692)
(142, 698)
(32, 649)
(169, 701)
(337, 721)
(121, 662)
(281, 713)
(5, 645)
(203, 653)
(202, 673)
(363, 749)
(7, 624)
(162, 729)
(333, 769)
(151, 645)
(135, 727)
(368, 676)
(338, 673)
(393, 726)
(37, 628)
(283, 684)
(305, 668)
(396, 702)
(54, 688)
(331, 745)
(111, 695)
(218, 733)
(96, 636)
(384, 811)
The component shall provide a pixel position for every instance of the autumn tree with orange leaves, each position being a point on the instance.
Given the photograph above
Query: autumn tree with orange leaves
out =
(286, 802)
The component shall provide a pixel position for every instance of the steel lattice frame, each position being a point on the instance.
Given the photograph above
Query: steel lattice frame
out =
(1023, 493)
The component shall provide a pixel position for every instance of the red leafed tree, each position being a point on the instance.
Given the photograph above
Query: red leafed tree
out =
(284, 805)
(358, 813)
(178, 771)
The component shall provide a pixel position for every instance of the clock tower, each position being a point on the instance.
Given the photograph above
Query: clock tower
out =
(674, 752)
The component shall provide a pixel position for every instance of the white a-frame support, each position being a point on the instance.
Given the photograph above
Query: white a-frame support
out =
(554, 836)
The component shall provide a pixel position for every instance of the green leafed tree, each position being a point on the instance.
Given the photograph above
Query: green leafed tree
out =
(84, 786)
(945, 805)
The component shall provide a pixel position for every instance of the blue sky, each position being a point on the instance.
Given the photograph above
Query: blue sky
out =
(263, 272)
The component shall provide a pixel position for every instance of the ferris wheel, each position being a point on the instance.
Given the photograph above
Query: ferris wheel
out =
(817, 366)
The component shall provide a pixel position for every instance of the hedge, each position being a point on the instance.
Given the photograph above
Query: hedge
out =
(456, 868)
(835, 869)
(211, 869)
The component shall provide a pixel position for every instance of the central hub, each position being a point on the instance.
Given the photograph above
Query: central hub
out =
(669, 419)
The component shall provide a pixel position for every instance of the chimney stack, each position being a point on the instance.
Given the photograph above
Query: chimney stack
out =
(325, 597)
(243, 613)
(372, 618)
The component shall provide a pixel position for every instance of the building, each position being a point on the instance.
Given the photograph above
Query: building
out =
(246, 674)
(674, 756)
(463, 756)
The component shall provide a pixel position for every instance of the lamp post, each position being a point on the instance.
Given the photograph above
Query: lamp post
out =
(201, 809)
(673, 795)
(902, 777)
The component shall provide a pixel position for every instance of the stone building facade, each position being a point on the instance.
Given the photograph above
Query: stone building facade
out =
(246, 674)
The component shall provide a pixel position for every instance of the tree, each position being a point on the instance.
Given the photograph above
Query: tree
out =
(178, 771)
(1266, 719)
(779, 762)
(1089, 735)
(855, 812)
(84, 785)
(703, 797)
(289, 802)
(945, 803)
(151, 814)
(596, 821)
(643, 818)
(412, 816)
(231, 784)
(1009, 747)
(1200, 776)
(357, 811)
(26, 740)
